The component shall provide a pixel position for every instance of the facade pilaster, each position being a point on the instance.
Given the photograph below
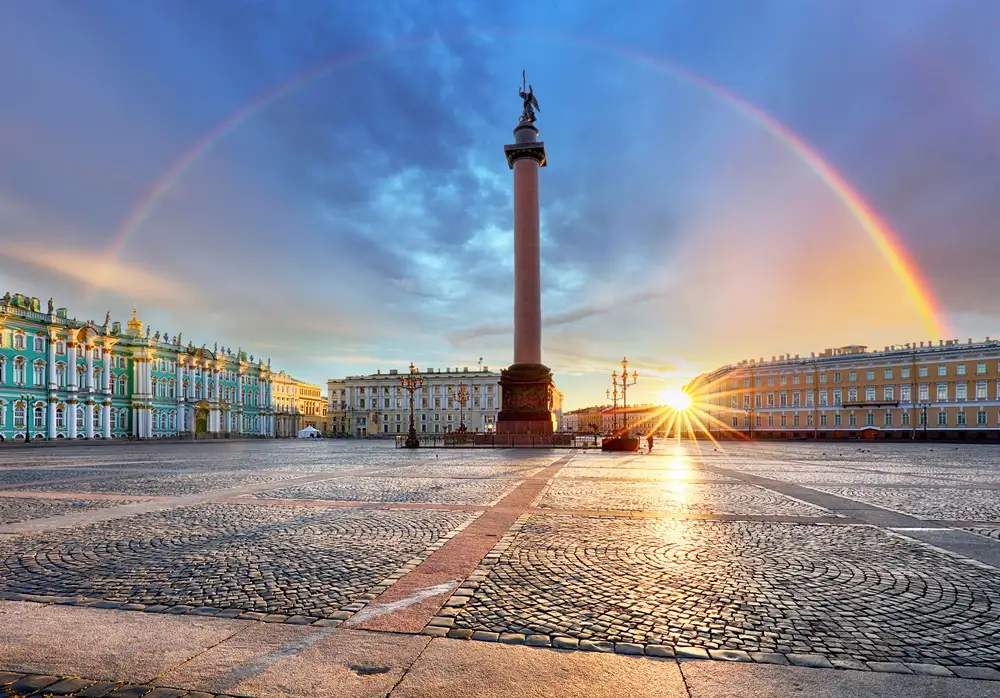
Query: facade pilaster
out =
(88, 417)
(71, 357)
(50, 426)
(71, 407)
(106, 418)
(88, 378)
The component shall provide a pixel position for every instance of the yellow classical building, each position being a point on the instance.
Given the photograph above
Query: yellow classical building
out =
(297, 404)
(948, 390)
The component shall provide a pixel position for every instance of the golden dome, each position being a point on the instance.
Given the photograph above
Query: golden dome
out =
(135, 324)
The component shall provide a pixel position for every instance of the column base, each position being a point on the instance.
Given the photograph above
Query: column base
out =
(526, 390)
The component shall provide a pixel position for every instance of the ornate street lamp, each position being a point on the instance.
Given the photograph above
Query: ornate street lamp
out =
(410, 383)
(613, 396)
(625, 386)
(462, 396)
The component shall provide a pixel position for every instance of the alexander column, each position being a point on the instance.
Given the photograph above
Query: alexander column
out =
(526, 385)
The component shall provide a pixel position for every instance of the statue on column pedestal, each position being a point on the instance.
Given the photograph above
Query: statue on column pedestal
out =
(530, 102)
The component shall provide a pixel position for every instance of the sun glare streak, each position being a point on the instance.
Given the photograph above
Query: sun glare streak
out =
(675, 399)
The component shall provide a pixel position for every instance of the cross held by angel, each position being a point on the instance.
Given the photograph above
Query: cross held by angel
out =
(529, 100)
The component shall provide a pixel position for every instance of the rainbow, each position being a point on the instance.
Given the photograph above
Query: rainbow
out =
(882, 236)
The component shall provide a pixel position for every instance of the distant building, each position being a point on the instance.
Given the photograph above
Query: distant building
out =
(586, 420)
(297, 405)
(640, 420)
(61, 378)
(918, 390)
(377, 404)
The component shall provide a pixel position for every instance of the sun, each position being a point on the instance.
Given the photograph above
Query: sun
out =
(676, 399)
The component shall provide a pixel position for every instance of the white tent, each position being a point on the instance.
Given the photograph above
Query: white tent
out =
(309, 432)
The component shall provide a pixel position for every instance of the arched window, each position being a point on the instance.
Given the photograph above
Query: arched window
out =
(123, 419)
(155, 383)
(3, 369)
(97, 418)
(80, 371)
(60, 417)
(3, 414)
(19, 415)
(173, 421)
(173, 388)
(123, 385)
(61, 374)
(19, 340)
(163, 421)
(39, 371)
(39, 416)
(19, 370)
(79, 417)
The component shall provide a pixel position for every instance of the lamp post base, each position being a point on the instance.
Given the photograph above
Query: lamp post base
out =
(411, 440)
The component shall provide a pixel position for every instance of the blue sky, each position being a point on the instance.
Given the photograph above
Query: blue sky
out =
(363, 219)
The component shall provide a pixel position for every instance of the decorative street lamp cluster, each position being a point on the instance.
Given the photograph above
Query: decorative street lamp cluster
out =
(462, 396)
(411, 383)
(621, 440)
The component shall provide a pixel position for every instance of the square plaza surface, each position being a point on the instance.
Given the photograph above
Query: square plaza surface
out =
(746, 547)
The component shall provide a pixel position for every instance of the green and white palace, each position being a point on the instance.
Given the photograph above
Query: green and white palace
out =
(65, 379)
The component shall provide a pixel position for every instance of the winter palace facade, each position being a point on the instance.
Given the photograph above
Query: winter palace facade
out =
(66, 379)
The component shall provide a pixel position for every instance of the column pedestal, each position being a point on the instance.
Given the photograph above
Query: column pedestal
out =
(526, 395)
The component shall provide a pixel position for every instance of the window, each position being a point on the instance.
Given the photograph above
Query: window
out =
(19, 341)
(19, 370)
(770, 420)
(823, 394)
(39, 417)
(822, 419)
(836, 377)
(961, 391)
(869, 393)
(822, 379)
(795, 380)
(770, 381)
(783, 399)
(783, 380)
(905, 393)
(870, 419)
(809, 379)
(870, 376)
(60, 347)
(770, 398)
(809, 398)
(60, 417)
(942, 419)
(735, 422)
(960, 370)
(784, 421)
(39, 344)
(942, 370)
(981, 370)
(904, 373)
(114, 420)
(39, 373)
(887, 392)
(887, 420)
(795, 420)
(923, 418)
(906, 419)
(887, 374)
(852, 376)
(922, 372)
(961, 419)
(796, 399)
(942, 392)
(838, 396)
(981, 389)
(19, 415)
(61, 375)
(852, 420)
(924, 392)
(981, 417)
(837, 419)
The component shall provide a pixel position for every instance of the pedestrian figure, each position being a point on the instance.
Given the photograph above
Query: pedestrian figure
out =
(649, 443)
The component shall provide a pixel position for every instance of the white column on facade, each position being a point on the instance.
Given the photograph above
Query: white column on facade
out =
(239, 403)
(191, 377)
(106, 377)
(52, 362)
(88, 417)
(50, 426)
(71, 367)
(71, 409)
(179, 396)
(106, 418)
(88, 353)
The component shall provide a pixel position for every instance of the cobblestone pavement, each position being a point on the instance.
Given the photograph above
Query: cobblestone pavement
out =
(949, 504)
(725, 576)
(397, 489)
(159, 485)
(266, 559)
(673, 495)
(16, 509)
